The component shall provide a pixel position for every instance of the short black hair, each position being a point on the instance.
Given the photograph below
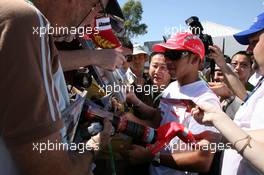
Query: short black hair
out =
(125, 42)
(245, 53)
(153, 54)
(227, 59)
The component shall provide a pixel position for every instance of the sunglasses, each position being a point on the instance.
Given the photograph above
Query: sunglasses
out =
(176, 54)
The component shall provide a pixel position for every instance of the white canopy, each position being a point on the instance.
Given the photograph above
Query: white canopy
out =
(220, 34)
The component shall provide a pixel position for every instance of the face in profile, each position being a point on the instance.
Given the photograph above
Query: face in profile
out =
(67, 15)
(256, 45)
(158, 71)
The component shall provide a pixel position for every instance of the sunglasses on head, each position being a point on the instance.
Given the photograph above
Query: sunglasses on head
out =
(176, 54)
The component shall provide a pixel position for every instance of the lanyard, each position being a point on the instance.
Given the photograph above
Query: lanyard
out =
(254, 90)
(30, 2)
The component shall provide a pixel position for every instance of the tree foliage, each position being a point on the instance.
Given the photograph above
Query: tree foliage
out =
(132, 11)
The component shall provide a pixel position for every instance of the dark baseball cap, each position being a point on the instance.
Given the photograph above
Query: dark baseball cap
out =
(113, 8)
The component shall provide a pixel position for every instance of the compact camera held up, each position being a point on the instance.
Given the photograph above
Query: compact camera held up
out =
(197, 29)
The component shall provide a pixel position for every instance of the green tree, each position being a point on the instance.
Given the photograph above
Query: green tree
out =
(132, 11)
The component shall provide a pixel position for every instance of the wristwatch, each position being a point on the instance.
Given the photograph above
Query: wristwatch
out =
(156, 159)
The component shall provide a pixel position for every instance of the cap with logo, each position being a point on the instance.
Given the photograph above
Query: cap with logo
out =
(257, 26)
(183, 41)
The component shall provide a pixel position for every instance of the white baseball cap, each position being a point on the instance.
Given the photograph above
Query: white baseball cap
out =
(138, 49)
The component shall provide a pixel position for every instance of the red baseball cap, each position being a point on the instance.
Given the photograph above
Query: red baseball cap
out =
(182, 41)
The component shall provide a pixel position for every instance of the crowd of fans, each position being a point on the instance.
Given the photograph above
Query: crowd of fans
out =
(42, 73)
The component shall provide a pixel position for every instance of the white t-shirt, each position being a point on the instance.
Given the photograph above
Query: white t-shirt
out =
(249, 117)
(198, 92)
(254, 78)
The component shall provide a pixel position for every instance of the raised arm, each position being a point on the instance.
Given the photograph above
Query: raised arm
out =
(106, 58)
(231, 78)
(248, 143)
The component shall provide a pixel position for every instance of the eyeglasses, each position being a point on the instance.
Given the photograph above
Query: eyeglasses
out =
(176, 54)
(241, 65)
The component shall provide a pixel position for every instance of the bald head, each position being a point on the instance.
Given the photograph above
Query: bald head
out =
(67, 13)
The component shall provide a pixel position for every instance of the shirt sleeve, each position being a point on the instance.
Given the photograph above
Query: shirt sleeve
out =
(30, 119)
(28, 104)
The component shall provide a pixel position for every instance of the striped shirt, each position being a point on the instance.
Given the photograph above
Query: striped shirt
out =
(31, 92)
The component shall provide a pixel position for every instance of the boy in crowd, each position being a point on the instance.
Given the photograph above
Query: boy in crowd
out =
(184, 52)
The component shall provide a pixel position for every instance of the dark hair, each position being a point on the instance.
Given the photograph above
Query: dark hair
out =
(227, 59)
(153, 54)
(245, 53)
(126, 42)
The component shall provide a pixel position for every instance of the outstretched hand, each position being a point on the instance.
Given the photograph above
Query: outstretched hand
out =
(131, 97)
(205, 113)
(220, 89)
(217, 55)
(136, 154)
(109, 59)
(101, 139)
